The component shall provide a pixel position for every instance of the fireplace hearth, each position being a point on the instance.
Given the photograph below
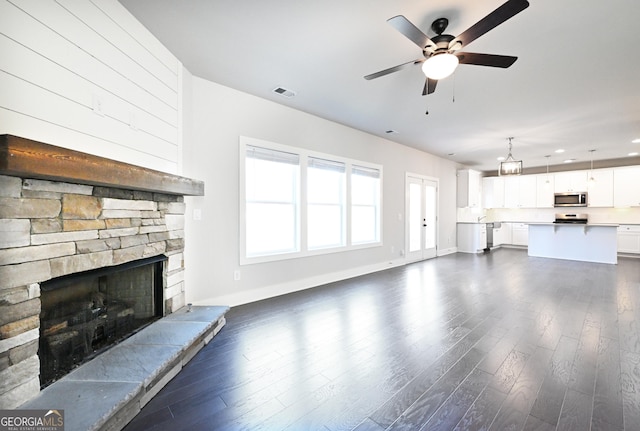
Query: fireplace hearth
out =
(84, 314)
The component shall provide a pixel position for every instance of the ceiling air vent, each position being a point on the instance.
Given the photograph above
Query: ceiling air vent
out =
(391, 132)
(284, 92)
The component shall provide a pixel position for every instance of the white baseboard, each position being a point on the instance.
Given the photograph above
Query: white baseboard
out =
(445, 251)
(271, 291)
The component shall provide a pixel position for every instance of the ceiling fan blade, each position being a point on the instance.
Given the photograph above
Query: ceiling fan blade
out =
(491, 21)
(429, 86)
(413, 33)
(492, 60)
(393, 69)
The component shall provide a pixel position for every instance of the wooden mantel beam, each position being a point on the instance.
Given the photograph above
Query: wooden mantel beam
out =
(31, 159)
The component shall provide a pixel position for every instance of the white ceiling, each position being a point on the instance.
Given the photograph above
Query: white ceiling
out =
(575, 85)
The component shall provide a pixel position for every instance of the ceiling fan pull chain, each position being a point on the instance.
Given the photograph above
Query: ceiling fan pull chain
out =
(453, 99)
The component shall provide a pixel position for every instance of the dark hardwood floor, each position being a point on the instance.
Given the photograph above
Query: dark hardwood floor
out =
(499, 341)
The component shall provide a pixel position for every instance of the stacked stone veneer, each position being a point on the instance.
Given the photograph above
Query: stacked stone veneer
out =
(50, 229)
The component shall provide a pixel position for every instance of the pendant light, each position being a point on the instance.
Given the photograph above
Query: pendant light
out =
(510, 166)
(547, 183)
(592, 181)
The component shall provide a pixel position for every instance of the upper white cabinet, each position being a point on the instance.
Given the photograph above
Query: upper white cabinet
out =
(469, 188)
(544, 191)
(493, 192)
(611, 187)
(601, 188)
(520, 191)
(626, 190)
(572, 181)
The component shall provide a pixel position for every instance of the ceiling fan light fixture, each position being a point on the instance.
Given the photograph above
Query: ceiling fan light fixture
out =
(510, 166)
(439, 66)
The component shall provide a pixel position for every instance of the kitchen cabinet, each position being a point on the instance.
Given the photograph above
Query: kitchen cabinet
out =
(586, 243)
(472, 237)
(601, 188)
(469, 188)
(520, 191)
(626, 192)
(520, 234)
(502, 235)
(544, 191)
(573, 181)
(629, 239)
(492, 192)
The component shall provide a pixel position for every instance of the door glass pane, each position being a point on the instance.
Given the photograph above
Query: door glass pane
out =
(415, 217)
(430, 215)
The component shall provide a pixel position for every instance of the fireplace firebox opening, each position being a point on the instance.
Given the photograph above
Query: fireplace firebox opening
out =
(85, 313)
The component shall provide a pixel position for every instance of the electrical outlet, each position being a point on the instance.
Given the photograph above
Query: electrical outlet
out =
(393, 249)
(236, 275)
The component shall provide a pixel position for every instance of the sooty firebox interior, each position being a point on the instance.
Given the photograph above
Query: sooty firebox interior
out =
(85, 313)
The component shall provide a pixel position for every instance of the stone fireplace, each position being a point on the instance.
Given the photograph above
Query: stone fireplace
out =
(64, 213)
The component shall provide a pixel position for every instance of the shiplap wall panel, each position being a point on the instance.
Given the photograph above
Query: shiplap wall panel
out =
(67, 113)
(119, 46)
(56, 65)
(38, 70)
(130, 25)
(60, 22)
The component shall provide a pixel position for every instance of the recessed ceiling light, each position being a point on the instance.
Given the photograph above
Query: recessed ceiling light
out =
(569, 161)
(636, 141)
(391, 132)
(560, 150)
(633, 154)
(451, 154)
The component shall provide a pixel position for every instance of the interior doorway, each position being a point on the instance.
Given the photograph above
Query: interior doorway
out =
(421, 198)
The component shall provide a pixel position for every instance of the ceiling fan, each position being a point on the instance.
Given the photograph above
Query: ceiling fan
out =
(441, 52)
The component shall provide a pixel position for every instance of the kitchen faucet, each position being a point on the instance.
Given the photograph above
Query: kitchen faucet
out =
(481, 218)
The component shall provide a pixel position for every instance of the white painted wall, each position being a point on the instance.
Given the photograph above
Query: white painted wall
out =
(220, 116)
(61, 59)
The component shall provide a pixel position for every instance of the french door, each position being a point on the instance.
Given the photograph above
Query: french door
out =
(421, 217)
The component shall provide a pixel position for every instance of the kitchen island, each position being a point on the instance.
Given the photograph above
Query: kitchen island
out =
(584, 242)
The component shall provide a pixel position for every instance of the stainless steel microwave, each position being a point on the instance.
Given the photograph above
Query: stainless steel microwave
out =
(570, 199)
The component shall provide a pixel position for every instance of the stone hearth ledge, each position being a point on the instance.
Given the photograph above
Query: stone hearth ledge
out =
(107, 392)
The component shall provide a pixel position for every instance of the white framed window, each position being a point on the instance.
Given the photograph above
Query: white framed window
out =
(326, 203)
(271, 202)
(365, 205)
(295, 202)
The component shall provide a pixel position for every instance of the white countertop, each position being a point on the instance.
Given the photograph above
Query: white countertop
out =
(574, 224)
